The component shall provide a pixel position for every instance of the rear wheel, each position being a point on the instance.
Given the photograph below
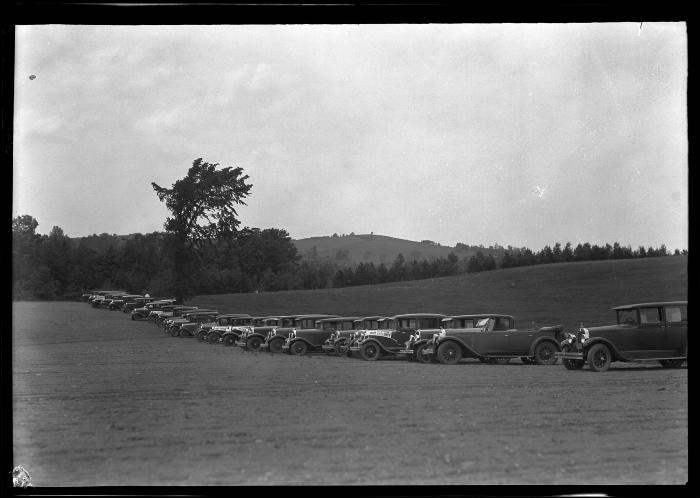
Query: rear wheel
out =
(544, 353)
(275, 345)
(599, 357)
(421, 356)
(213, 337)
(201, 336)
(253, 343)
(370, 351)
(229, 340)
(449, 353)
(671, 363)
(298, 348)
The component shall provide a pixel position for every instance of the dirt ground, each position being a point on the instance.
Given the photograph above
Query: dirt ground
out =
(99, 399)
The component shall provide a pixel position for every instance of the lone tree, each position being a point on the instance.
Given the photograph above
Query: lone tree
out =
(203, 210)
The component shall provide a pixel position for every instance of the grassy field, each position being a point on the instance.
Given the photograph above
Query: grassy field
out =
(563, 293)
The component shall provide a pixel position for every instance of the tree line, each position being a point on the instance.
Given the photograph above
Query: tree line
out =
(54, 267)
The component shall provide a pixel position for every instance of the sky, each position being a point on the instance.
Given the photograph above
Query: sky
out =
(516, 134)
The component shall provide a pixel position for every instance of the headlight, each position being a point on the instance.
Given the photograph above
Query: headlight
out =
(583, 334)
(443, 333)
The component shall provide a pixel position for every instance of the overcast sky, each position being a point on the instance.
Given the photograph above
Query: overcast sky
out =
(521, 134)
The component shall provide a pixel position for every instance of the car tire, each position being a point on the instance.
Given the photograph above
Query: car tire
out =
(185, 333)
(133, 317)
(544, 353)
(421, 357)
(340, 347)
(572, 364)
(671, 363)
(449, 353)
(298, 348)
(201, 336)
(229, 340)
(599, 357)
(213, 337)
(370, 351)
(275, 345)
(253, 343)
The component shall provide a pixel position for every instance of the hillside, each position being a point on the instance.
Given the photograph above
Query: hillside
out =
(347, 250)
(562, 293)
(354, 249)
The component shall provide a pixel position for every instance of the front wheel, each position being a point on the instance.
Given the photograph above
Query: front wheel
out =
(671, 363)
(544, 353)
(370, 351)
(298, 348)
(275, 345)
(572, 364)
(421, 356)
(213, 337)
(449, 353)
(599, 358)
(229, 340)
(253, 343)
(201, 336)
(341, 347)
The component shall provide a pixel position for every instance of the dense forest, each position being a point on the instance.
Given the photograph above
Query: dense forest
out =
(52, 267)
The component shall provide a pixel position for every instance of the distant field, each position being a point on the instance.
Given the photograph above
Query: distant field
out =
(563, 293)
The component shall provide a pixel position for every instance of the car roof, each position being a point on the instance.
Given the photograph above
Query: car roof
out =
(340, 319)
(377, 317)
(650, 305)
(235, 315)
(419, 315)
(482, 315)
(306, 317)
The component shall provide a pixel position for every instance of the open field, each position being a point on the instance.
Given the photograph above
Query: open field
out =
(563, 293)
(99, 399)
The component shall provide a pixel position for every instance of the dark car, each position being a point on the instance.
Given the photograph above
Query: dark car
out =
(301, 342)
(234, 325)
(138, 302)
(494, 339)
(390, 342)
(276, 338)
(367, 326)
(233, 333)
(656, 331)
(186, 323)
(201, 332)
(340, 340)
(253, 339)
(143, 312)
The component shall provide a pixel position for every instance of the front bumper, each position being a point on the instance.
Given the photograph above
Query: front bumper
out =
(570, 355)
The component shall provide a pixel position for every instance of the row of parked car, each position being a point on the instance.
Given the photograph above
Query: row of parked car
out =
(643, 332)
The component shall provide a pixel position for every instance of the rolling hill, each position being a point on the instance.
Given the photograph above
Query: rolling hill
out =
(562, 293)
(346, 250)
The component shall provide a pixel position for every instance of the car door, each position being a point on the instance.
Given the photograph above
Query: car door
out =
(676, 318)
(650, 339)
(491, 342)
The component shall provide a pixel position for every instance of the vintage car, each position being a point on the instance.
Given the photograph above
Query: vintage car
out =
(370, 324)
(157, 317)
(143, 312)
(391, 341)
(338, 342)
(173, 325)
(109, 298)
(656, 331)
(252, 339)
(233, 333)
(202, 331)
(276, 338)
(138, 302)
(117, 304)
(301, 342)
(233, 325)
(494, 339)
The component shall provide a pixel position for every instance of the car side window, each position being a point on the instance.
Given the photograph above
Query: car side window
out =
(501, 324)
(676, 314)
(649, 315)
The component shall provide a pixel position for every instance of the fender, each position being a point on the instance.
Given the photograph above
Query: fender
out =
(235, 333)
(256, 334)
(379, 345)
(598, 340)
(304, 340)
(540, 340)
(420, 343)
(470, 351)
